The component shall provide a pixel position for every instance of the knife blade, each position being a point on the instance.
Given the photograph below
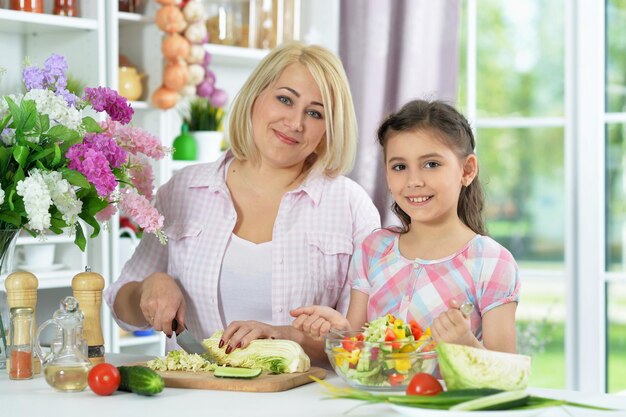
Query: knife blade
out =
(190, 344)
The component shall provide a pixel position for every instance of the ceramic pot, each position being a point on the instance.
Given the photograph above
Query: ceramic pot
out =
(129, 83)
(209, 144)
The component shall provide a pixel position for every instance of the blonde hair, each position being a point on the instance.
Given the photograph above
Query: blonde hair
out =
(336, 153)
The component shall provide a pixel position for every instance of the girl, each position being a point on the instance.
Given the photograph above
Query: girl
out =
(440, 257)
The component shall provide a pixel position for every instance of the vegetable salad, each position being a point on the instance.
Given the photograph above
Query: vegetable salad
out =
(387, 353)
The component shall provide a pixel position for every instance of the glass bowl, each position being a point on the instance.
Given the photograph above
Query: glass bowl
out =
(379, 366)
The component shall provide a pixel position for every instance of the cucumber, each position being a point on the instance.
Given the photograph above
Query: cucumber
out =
(140, 380)
(502, 401)
(231, 372)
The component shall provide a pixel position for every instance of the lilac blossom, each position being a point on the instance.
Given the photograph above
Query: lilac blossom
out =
(94, 166)
(105, 99)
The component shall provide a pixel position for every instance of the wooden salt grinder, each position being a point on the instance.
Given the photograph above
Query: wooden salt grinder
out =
(87, 287)
(22, 292)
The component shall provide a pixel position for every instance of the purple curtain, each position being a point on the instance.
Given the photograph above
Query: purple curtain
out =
(395, 51)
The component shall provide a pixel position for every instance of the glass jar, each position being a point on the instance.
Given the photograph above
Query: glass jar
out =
(227, 22)
(35, 6)
(131, 6)
(66, 8)
(21, 343)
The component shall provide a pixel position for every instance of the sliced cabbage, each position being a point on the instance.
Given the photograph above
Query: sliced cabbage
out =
(179, 360)
(272, 355)
(468, 367)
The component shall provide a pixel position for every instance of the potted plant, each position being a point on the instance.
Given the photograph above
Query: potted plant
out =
(204, 120)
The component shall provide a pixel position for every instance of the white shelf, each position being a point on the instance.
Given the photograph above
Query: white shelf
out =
(54, 279)
(132, 18)
(131, 340)
(29, 240)
(140, 105)
(235, 55)
(15, 22)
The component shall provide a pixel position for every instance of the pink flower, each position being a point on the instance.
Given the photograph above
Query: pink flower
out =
(142, 176)
(105, 99)
(139, 209)
(106, 214)
(134, 140)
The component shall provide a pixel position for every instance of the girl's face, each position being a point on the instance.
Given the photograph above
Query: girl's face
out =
(425, 176)
(288, 119)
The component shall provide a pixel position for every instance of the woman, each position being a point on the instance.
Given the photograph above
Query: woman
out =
(268, 227)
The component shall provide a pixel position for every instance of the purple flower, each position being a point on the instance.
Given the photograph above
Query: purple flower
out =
(33, 78)
(54, 70)
(94, 166)
(69, 98)
(107, 146)
(105, 99)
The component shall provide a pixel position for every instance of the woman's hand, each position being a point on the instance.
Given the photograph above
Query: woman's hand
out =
(316, 321)
(239, 334)
(453, 327)
(161, 302)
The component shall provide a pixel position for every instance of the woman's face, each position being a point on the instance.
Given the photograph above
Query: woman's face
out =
(288, 118)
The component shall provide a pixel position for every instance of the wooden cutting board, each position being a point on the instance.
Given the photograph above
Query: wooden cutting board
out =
(263, 383)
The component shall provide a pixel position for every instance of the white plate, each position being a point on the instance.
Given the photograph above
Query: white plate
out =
(40, 268)
(426, 412)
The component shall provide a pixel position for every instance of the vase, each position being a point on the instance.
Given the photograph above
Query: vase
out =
(8, 240)
(185, 145)
(209, 144)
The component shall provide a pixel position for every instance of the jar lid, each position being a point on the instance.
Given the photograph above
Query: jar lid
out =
(21, 310)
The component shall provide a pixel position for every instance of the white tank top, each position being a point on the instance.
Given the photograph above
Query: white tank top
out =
(245, 284)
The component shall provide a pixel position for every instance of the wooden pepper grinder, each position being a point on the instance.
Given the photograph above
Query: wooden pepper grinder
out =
(87, 287)
(22, 292)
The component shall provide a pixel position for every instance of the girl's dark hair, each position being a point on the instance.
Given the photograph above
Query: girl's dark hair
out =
(457, 134)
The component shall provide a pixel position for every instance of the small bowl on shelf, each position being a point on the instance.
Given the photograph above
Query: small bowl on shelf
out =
(379, 366)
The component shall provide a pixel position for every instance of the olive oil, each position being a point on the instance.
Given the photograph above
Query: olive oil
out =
(67, 378)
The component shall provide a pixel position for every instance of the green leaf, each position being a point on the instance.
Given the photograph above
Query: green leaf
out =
(60, 133)
(20, 153)
(75, 178)
(80, 240)
(91, 125)
(57, 156)
(11, 217)
(93, 204)
(15, 112)
(42, 154)
(5, 122)
(91, 221)
(29, 115)
(44, 122)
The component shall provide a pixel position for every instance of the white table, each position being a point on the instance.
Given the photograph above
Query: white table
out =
(35, 398)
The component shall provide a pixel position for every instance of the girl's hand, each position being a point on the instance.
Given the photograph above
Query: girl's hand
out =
(453, 327)
(161, 302)
(316, 321)
(239, 334)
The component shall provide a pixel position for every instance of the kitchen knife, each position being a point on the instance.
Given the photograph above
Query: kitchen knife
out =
(190, 344)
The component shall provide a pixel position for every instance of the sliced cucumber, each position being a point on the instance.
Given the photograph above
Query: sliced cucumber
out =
(230, 372)
(501, 401)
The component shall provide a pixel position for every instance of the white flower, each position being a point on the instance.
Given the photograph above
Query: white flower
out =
(37, 200)
(63, 196)
(56, 108)
(1, 196)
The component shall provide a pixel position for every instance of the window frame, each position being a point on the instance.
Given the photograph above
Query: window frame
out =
(584, 117)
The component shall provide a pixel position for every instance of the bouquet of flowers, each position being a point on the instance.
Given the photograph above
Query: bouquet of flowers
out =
(58, 164)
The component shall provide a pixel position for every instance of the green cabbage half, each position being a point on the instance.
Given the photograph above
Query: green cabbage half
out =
(468, 367)
(272, 355)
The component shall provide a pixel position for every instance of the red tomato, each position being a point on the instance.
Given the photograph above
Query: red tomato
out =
(424, 384)
(104, 379)
(396, 379)
(416, 329)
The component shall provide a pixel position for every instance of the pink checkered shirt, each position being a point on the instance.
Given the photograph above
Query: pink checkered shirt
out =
(483, 272)
(317, 227)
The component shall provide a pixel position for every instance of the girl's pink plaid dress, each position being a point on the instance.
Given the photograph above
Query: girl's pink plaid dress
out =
(483, 272)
